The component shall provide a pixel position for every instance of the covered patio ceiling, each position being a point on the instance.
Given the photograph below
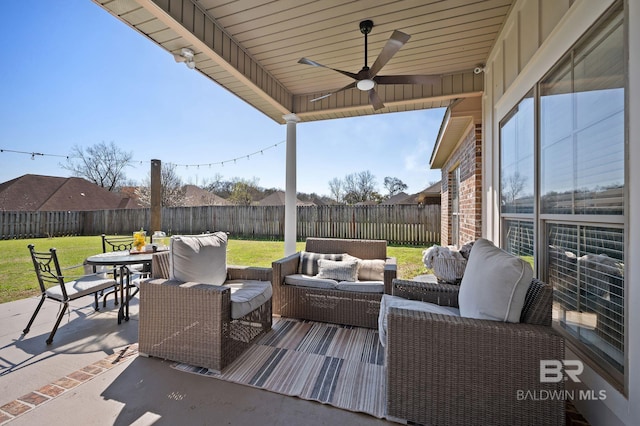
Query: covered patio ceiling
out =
(252, 48)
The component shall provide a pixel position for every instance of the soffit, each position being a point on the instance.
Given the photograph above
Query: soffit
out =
(251, 47)
(459, 119)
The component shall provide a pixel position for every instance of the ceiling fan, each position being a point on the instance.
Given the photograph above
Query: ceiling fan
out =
(367, 78)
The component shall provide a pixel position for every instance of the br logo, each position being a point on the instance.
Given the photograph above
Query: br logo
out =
(554, 370)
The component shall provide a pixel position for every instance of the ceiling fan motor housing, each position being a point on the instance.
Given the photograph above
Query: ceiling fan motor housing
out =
(366, 26)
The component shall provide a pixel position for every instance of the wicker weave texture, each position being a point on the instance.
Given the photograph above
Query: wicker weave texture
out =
(160, 265)
(449, 270)
(461, 371)
(363, 249)
(334, 306)
(191, 322)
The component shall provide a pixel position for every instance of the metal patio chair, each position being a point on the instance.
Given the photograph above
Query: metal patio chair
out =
(53, 286)
(122, 243)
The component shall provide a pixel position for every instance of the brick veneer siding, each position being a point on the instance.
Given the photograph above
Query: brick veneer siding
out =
(468, 156)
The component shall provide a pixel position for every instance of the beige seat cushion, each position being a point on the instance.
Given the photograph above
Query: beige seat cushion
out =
(247, 295)
(309, 281)
(199, 258)
(389, 302)
(81, 287)
(494, 285)
(361, 286)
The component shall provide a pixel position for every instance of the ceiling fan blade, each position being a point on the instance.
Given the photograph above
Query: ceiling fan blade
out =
(408, 79)
(375, 100)
(317, 64)
(348, 86)
(395, 43)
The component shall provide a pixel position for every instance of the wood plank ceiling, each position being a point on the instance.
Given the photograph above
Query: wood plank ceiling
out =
(252, 48)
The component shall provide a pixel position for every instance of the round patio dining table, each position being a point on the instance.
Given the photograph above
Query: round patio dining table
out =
(122, 260)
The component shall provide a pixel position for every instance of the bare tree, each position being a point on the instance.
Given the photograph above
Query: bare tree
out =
(336, 189)
(394, 185)
(102, 164)
(360, 187)
(173, 190)
(513, 186)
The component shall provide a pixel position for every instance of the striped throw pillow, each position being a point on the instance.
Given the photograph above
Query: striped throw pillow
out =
(309, 261)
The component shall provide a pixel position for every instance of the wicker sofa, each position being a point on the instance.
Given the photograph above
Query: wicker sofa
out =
(443, 369)
(194, 323)
(336, 306)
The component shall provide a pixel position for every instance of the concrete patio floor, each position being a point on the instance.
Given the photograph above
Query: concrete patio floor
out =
(90, 382)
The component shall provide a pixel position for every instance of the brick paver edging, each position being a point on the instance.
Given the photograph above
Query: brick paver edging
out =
(28, 402)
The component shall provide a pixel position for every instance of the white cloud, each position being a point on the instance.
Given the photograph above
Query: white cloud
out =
(418, 159)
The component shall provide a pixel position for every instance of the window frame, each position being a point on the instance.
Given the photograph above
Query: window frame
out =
(542, 221)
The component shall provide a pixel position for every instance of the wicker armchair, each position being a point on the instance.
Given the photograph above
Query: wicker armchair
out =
(459, 371)
(192, 323)
(326, 305)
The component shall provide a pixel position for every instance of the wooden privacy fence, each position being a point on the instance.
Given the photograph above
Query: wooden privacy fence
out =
(40, 224)
(398, 224)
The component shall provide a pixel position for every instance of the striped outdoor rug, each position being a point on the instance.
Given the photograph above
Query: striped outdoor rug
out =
(338, 365)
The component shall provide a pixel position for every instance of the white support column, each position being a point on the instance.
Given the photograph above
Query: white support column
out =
(290, 219)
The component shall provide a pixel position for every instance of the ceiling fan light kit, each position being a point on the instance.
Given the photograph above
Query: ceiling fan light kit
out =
(367, 78)
(365, 85)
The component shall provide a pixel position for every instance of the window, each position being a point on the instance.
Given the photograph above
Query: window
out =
(516, 159)
(582, 181)
(582, 128)
(586, 269)
(517, 183)
(562, 169)
(455, 206)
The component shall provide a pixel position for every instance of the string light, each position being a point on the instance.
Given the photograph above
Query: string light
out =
(235, 160)
(141, 162)
(33, 154)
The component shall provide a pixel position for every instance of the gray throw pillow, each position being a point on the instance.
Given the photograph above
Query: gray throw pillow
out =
(337, 270)
(199, 258)
(494, 285)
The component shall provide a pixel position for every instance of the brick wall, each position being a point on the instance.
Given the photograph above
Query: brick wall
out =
(467, 156)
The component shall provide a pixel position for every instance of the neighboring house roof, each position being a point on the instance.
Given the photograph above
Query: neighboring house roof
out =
(399, 198)
(52, 193)
(429, 195)
(130, 193)
(435, 189)
(196, 196)
(277, 199)
(323, 202)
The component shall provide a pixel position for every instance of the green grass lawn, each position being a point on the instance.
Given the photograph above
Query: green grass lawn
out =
(18, 279)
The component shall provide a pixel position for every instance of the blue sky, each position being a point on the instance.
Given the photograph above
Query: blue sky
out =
(72, 74)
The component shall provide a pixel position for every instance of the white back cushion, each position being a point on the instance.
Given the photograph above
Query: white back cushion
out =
(199, 258)
(494, 285)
